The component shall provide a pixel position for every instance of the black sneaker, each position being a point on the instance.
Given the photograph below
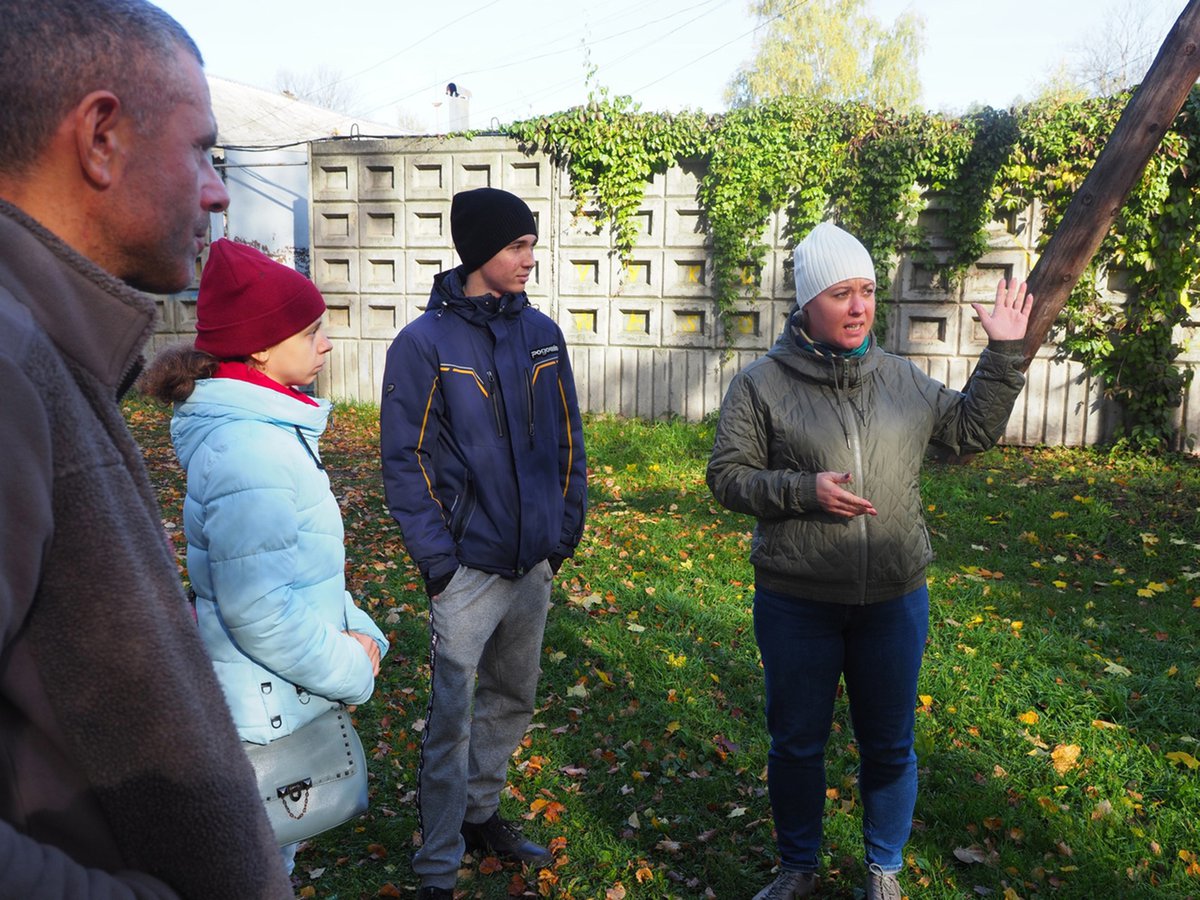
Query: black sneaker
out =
(435, 893)
(789, 886)
(505, 840)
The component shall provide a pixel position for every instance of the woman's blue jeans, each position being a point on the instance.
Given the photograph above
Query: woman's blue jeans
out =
(806, 646)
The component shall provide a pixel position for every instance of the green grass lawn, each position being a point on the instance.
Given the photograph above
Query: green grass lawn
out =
(1057, 725)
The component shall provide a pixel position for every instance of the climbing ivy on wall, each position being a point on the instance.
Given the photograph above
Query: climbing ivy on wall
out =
(762, 159)
(612, 150)
(875, 170)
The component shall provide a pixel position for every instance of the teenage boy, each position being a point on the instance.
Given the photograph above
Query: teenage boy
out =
(484, 469)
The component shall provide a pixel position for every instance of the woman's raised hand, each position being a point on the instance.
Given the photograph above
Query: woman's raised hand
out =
(1010, 315)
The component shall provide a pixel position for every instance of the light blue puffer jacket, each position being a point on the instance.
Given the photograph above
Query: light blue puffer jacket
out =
(266, 557)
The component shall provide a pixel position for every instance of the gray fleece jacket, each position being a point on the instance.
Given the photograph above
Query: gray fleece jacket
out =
(121, 774)
(795, 412)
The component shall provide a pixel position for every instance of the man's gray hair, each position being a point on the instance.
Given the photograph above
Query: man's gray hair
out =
(53, 53)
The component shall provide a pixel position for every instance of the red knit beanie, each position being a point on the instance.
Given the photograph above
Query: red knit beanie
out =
(248, 302)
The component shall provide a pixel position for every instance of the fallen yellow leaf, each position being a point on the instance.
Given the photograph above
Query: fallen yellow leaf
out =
(1193, 866)
(1184, 759)
(1065, 756)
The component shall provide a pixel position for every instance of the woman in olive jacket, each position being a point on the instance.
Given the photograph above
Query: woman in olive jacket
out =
(822, 440)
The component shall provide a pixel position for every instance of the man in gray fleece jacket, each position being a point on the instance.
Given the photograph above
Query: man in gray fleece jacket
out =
(121, 774)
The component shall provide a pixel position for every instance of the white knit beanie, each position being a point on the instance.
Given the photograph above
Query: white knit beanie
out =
(826, 256)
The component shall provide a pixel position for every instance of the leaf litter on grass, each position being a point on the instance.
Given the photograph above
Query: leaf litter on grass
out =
(1070, 637)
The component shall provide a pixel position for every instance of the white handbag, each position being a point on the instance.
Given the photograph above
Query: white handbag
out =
(313, 779)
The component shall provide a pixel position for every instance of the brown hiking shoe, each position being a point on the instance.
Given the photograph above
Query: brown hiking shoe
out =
(883, 885)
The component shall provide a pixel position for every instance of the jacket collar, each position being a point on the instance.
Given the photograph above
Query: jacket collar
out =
(810, 363)
(448, 294)
(94, 319)
(239, 371)
(219, 401)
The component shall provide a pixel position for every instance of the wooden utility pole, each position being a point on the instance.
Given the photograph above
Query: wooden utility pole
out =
(1091, 212)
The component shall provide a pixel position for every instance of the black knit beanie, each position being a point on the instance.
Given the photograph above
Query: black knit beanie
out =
(485, 221)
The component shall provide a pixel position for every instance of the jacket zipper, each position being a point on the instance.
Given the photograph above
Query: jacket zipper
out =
(495, 395)
(853, 439)
(129, 377)
(529, 399)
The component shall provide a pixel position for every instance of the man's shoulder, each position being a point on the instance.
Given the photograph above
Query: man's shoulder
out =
(533, 314)
(18, 326)
(12, 310)
(430, 322)
(422, 329)
(541, 330)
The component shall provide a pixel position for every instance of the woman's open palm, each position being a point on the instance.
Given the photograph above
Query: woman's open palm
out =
(1010, 315)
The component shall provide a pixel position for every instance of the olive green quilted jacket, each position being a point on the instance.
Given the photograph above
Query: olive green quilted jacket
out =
(794, 413)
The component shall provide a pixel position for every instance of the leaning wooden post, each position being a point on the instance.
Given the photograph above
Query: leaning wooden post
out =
(1092, 209)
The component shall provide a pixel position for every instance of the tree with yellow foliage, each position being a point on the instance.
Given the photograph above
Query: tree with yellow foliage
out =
(834, 50)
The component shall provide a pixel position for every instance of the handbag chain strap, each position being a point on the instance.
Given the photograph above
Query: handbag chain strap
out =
(303, 810)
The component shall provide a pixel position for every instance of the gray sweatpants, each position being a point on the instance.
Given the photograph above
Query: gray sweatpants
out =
(485, 652)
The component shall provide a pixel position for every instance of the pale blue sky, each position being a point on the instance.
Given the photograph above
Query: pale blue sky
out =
(521, 58)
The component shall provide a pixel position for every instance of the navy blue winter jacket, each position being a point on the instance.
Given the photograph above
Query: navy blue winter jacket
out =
(481, 440)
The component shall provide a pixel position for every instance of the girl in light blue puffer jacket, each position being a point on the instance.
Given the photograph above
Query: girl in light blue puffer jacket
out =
(265, 541)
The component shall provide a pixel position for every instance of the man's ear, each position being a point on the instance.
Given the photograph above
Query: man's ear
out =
(98, 139)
